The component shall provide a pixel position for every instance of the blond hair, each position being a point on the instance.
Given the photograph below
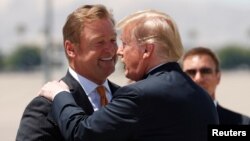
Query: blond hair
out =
(151, 26)
(77, 19)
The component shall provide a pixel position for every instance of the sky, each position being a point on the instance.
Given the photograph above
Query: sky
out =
(210, 23)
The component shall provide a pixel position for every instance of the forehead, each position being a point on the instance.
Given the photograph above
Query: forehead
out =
(99, 24)
(123, 36)
(126, 33)
(198, 61)
(104, 26)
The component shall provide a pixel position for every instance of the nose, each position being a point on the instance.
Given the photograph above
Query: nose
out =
(120, 51)
(198, 77)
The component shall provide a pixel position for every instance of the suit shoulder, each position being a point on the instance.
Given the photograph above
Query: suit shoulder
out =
(36, 123)
(39, 101)
(231, 117)
(38, 106)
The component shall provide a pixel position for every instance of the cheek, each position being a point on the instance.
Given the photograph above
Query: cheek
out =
(215, 82)
(212, 84)
(131, 55)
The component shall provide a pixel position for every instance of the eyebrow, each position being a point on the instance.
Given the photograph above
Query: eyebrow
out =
(102, 36)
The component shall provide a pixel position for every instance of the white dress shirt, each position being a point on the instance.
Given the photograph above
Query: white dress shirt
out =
(90, 89)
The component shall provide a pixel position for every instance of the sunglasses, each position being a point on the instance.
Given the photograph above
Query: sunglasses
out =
(203, 71)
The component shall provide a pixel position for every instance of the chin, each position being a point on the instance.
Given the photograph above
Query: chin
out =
(126, 74)
(111, 71)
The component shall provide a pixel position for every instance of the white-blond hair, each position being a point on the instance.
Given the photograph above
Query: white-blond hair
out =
(151, 26)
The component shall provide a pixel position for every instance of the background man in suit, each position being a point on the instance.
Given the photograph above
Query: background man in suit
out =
(90, 46)
(202, 65)
(164, 104)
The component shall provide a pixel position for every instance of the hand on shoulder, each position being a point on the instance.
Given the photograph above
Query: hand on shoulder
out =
(52, 88)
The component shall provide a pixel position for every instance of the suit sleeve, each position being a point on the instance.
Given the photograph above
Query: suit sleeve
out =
(35, 124)
(116, 121)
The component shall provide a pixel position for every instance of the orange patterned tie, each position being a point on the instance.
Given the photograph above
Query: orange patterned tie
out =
(101, 92)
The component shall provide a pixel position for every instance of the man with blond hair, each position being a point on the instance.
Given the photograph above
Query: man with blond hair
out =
(90, 46)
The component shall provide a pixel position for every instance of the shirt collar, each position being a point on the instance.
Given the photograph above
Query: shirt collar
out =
(87, 85)
(215, 103)
(155, 67)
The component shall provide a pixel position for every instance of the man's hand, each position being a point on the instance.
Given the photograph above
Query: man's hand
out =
(52, 88)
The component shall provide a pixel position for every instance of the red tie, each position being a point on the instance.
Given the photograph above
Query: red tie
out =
(101, 91)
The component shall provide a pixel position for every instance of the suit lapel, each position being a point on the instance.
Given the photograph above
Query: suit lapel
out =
(78, 94)
(113, 87)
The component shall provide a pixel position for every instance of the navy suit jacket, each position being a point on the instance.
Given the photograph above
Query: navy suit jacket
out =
(37, 123)
(165, 106)
(227, 116)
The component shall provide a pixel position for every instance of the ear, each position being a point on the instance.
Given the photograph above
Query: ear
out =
(148, 50)
(69, 49)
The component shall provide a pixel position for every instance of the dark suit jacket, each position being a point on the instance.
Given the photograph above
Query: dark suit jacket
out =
(165, 106)
(230, 117)
(37, 124)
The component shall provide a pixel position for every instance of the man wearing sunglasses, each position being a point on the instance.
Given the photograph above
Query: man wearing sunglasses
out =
(202, 65)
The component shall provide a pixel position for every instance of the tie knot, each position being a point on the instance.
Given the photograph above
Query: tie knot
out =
(101, 91)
